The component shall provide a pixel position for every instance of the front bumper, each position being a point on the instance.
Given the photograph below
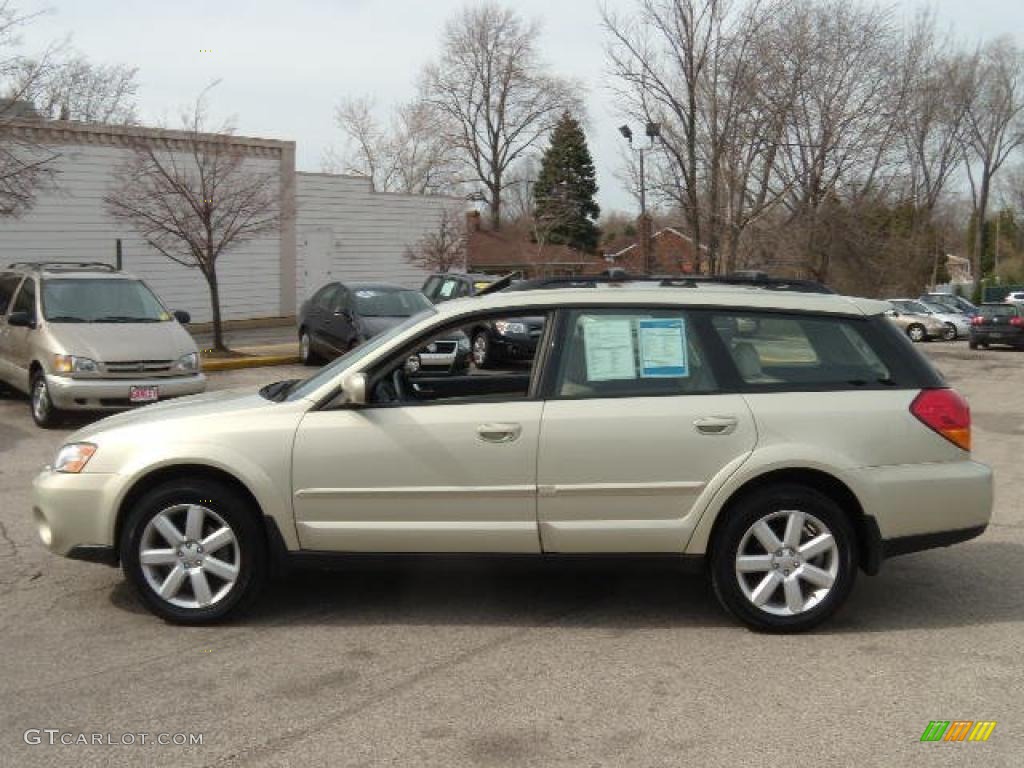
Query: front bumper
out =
(75, 514)
(69, 394)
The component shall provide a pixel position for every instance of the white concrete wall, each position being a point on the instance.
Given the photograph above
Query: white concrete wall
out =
(72, 224)
(366, 232)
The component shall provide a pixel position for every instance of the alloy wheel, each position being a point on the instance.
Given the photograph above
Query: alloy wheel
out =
(41, 405)
(949, 334)
(916, 333)
(480, 350)
(190, 557)
(787, 562)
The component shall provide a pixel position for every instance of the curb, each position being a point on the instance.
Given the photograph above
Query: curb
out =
(256, 361)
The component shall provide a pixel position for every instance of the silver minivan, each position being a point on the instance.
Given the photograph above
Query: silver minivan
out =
(85, 336)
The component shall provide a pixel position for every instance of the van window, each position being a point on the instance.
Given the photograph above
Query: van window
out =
(631, 353)
(775, 350)
(26, 300)
(8, 285)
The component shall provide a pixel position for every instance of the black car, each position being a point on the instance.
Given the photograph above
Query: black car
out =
(998, 324)
(341, 316)
(509, 339)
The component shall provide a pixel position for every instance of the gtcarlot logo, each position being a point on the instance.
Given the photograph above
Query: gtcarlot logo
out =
(55, 737)
(958, 730)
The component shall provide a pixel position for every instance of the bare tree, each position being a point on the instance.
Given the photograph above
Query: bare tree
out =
(70, 87)
(26, 166)
(194, 197)
(409, 155)
(493, 96)
(994, 125)
(442, 248)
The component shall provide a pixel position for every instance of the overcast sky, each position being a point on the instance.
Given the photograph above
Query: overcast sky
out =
(285, 63)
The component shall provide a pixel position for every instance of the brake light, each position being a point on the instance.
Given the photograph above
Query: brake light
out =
(945, 412)
(977, 320)
(1017, 321)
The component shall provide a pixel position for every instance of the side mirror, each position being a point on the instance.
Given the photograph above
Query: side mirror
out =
(181, 316)
(412, 364)
(21, 319)
(353, 387)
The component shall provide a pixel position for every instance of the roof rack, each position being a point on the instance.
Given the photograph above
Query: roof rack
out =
(674, 281)
(62, 266)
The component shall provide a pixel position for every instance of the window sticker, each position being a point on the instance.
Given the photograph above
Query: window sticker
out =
(608, 347)
(366, 294)
(663, 348)
(448, 288)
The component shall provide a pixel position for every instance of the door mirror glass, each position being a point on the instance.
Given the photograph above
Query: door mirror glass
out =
(182, 316)
(353, 387)
(20, 319)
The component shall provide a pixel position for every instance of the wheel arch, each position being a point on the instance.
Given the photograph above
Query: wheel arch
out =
(868, 540)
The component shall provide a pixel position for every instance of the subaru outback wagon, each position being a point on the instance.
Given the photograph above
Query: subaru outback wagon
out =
(780, 440)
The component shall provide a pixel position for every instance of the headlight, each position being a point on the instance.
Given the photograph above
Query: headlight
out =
(188, 363)
(505, 328)
(73, 457)
(72, 364)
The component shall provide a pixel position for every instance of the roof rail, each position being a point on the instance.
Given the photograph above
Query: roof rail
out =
(673, 281)
(62, 266)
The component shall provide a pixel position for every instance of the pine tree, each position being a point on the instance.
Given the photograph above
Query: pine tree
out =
(564, 206)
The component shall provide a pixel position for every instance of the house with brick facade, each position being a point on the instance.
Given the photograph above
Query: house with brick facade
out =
(672, 253)
(515, 249)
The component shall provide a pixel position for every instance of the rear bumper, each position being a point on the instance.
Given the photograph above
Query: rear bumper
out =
(1005, 335)
(70, 394)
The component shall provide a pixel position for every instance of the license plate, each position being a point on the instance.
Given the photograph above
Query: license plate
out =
(143, 394)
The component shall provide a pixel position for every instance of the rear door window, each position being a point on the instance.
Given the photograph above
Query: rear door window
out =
(778, 351)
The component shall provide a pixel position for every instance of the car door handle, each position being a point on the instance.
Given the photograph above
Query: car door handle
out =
(716, 425)
(499, 433)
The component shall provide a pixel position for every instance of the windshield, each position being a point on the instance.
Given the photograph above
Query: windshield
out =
(373, 302)
(915, 307)
(941, 309)
(70, 300)
(998, 310)
(328, 372)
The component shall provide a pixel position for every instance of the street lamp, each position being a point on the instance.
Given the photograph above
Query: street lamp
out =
(653, 132)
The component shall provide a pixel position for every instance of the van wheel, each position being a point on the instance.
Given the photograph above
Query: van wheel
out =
(194, 551)
(44, 413)
(916, 332)
(785, 559)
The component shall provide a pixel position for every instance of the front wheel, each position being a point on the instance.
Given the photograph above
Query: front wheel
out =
(916, 332)
(306, 353)
(481, 349)
(194, 551)
(949, 332)
(44, 413)
(785, 559)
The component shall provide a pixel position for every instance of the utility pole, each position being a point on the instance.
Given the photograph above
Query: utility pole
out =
(653, 131)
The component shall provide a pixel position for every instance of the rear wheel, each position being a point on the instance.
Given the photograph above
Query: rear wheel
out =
(194, 551)
(44, 413)
(785, 559)
(949, 334)
(972, 344)
(306, 353)
(916, 332)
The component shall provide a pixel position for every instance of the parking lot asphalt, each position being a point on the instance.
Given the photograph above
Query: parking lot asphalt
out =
(492, 665)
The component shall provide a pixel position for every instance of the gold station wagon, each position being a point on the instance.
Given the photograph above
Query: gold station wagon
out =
(780, 438)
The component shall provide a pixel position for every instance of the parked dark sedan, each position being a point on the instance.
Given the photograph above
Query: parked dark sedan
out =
(341, 316)
(998, 324)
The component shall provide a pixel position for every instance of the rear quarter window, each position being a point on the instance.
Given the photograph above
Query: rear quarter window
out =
(781, 351)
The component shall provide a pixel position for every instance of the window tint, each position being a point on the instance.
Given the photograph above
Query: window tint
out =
(430, 288)
(770, 349)
(342, 300)
(67, 300)
(914, 307)
(8, 285)
(26, 299)
(631, 353)
(1002, 310)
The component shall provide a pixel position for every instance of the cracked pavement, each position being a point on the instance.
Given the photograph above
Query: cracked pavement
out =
(487, 665)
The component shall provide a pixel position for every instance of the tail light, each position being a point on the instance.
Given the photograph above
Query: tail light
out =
(977, 320)
(944, 411)
(1017, 322)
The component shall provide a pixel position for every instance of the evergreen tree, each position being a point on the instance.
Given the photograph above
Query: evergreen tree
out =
(564, 208)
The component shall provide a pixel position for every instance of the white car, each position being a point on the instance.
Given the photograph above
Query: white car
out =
(1014, 297)
(956, 324)
(779, 440)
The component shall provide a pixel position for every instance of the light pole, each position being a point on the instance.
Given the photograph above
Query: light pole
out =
(653, 131)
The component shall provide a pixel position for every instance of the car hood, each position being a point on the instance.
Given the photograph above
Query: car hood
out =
(219, 403)
(120, 342)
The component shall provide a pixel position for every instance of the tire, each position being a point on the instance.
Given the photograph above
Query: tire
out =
(44, 413)
(233, 567)
(949, 333)
(306, 353)
(917, 332)
(739, 591)
(480, 350)
(972, 344)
